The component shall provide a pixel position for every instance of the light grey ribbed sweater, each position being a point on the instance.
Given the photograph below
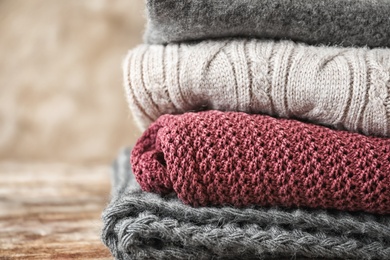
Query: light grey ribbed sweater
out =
(345, 88)
(340, 22)
(141, 225)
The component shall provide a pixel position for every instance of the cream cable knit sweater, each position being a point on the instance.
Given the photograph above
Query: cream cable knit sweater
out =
(346, 88)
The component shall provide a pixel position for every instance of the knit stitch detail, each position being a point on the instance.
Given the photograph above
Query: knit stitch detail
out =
(344, 88)
(233, 158)
(141, 225)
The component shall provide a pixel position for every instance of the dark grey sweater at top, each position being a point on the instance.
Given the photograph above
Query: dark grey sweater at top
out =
(329, 22)
(141, 225)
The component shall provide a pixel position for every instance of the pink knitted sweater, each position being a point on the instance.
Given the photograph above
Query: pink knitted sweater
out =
(232, 158)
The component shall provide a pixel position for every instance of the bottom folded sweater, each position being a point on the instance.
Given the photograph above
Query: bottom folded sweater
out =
(141, 225)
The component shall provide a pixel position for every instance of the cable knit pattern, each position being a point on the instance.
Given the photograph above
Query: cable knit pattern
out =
(141, 225)
(340, 22)
(233, 158)
(346, 88)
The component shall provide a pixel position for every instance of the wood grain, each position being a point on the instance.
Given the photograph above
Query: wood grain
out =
(52, 211)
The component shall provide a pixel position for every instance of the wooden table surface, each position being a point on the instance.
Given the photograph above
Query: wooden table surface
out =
(52, 211)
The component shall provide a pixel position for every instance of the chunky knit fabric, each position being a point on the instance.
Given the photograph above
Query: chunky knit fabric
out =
(141, 225)
(346, 88)
(341, 22)
(232, 158)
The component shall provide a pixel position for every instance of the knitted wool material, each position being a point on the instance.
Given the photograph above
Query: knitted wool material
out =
(141, 225)
(346, 88)
(340, 22)
(233, 158)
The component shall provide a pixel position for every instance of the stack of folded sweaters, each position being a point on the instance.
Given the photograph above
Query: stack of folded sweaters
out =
(267, 133)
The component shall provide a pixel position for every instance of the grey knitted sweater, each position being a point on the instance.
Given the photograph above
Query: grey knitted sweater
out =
(341, 22)
(140, 225)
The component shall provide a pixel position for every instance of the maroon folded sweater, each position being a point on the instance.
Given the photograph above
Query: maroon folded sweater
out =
(232, 158)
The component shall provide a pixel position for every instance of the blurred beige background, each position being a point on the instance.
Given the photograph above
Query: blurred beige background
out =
(61, 94)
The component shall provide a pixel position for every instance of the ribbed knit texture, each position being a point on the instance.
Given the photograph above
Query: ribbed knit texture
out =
(346, 88)
(141, 225)
(341, 22)
(233, 158)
